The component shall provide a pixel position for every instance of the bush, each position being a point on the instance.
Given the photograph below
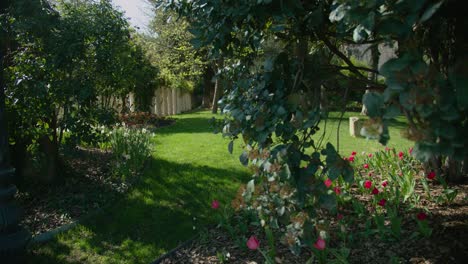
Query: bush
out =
(390, 190)
(131, 147)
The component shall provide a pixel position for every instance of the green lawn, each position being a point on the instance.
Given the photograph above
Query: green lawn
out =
(189, 168)
(349, 143)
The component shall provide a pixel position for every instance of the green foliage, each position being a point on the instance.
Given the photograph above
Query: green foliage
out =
(274, 104)
(65, 57)
(131, 148)
(169, 49)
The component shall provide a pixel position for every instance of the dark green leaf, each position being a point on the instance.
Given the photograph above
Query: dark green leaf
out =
(373, 102)
(230, 146)
(430, 11)
(244, 158)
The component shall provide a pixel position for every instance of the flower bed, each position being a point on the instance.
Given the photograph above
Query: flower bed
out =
(392, 211)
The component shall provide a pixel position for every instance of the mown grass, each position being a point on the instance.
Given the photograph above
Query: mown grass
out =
(190, 167)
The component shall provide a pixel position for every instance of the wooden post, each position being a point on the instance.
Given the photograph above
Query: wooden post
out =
(169, 101)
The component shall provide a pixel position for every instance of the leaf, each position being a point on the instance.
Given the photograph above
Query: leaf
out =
(333, 173)
(348, 174)
(373, 102)
(244, 158)
(230, 146)
(249, 190)
(430, 11)
(460, 83)
(360, 34)
(391, 112)
(338, 13)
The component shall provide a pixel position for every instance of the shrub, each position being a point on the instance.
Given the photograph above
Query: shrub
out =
(130, 147)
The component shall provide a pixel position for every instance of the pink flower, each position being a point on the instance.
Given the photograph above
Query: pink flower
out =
(253, 243)
(367, 184)
(337, 190)
(339, 217)
(319, 244)
(375, 191)
(370, 155)
(400, 155)
(382, 202)
(387, 149)
(215, 204)
(431, 175)
(421, 216)
(353, 153)
(366, 166)
(351, 158)
(410, 150)
(327, 183)
(384, 183)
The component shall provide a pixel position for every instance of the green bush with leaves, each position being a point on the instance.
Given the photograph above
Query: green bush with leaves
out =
(60, 59)
(275, 102)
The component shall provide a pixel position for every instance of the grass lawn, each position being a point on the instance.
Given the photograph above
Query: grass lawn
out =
(349, 143)
(190, 167)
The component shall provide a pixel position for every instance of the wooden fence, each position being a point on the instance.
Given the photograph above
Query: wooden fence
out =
(165, 102)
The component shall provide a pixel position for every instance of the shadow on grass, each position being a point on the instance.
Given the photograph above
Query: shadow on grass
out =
(188, 125)
(157, 215)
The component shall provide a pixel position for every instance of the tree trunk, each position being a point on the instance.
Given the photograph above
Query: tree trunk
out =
(455, 170)
(52, 160)
(217, 88)
(208, 86)
(214, 108)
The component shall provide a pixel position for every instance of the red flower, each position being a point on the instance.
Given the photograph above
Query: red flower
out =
(215, 204)
(253, 243)
(367, 184)
(353, 153)
(375, 191)
(351, 158)
(337, 190)
(421, 216)
(366, 166)
(382, 202)
(328, 183)
(410, 150)
(384, 183)
(339, 217)
(400, 155)
(431, 175)
(319, 244)
(370, 155)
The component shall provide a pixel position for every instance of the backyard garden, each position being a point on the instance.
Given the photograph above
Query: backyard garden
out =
(234, 132)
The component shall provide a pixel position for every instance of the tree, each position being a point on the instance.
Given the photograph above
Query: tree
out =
(85, 50)
(312, 33)
(170, 50)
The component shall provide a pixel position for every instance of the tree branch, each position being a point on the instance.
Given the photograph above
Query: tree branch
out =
(340, 54)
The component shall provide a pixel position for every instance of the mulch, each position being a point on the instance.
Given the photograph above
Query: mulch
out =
(87, 185)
